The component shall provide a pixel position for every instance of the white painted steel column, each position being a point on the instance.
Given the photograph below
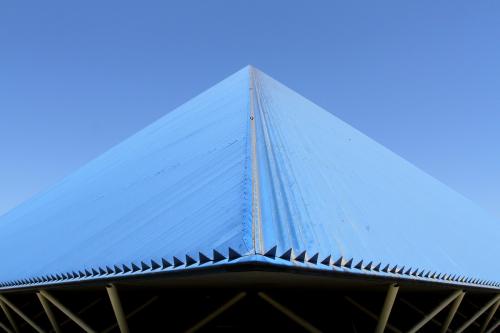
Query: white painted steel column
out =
(452, 312)
(49, 313)
(117, 308)
(390, 297)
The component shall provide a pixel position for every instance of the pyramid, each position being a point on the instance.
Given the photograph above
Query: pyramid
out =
(248, 171)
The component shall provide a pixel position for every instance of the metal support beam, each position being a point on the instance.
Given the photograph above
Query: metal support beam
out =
(490, 316)
(81, 311)
(21, 314)
(478, 314)
(465, 317)
(66, 311)
(49, 313)
(419, 311)
(289, 313)
(9, 316)
(5, 328)
(133, 313)
(117, 308)
(435, 311)
(452, 312)
(390, 297)
(494, 327)
(216, 313)
(371, 314)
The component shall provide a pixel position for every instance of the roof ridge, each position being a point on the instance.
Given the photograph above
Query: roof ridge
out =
(257, 237)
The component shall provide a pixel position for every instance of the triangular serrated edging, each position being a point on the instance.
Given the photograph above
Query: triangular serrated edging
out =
(352, 265)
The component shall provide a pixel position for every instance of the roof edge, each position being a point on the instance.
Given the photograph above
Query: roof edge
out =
(290, 260)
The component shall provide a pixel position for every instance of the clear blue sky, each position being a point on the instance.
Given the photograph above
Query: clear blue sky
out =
(421, 77)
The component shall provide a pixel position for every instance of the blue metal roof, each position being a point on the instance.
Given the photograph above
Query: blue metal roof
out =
(248, 171)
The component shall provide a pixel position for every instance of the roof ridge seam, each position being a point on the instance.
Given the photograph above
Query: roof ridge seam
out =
(257, 235)
(275, 164)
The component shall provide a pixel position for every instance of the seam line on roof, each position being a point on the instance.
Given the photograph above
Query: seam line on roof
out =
(258, 242)
(279, 204)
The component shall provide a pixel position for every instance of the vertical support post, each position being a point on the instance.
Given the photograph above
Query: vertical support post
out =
(49, 313)
(478, 314)
(9, 317)
(390, 297)
(117, 308)
(452, 312)
(490, 316)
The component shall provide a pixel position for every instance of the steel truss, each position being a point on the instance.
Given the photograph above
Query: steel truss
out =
(115, 308)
